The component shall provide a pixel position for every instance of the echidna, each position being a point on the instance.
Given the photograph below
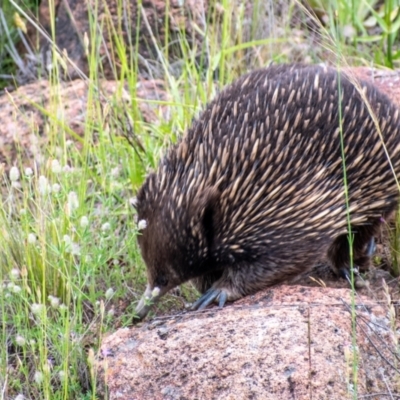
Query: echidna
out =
(255, 192)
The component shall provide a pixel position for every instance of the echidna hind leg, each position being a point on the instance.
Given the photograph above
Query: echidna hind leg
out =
(370, 250)
(363, 249)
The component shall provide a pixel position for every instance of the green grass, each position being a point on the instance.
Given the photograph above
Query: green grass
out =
(11, 24)
(69, 263)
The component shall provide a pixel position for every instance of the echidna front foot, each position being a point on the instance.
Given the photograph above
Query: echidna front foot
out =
(345, 273)
(212, 294)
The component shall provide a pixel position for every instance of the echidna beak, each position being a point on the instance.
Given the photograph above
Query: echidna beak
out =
(150, 297)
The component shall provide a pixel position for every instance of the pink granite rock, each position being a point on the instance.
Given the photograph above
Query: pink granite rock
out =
(24, 113)
(288, 342)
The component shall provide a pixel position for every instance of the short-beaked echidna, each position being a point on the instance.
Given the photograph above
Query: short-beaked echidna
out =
(254, 193)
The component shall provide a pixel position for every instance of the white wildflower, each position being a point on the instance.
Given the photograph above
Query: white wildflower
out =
(84, 221)
(56, 188)
(63, 307)
(37, 309)
(155, 292)
(44, 187)
(20, 397)
(109, 293)
(54, 301)
(71, 247)
(75, 249)
(106, 227)
(55, 167)
(22, 211)
(67, 240)
(14, 174)
(14, 273)
(61, 376)
(20, 340)
(31, 238)
(67, 169)
(73, 202)
(142, 224)
(28, 171)
(16, 289)
(38, 377)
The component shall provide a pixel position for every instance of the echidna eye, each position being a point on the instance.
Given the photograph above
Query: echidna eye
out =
(161, 281)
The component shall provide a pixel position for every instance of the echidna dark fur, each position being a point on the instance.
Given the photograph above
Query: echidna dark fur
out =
(254, 193)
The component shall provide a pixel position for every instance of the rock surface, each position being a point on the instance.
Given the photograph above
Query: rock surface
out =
(123, 22)
(25, 113)
(288, 342)
(160, 33)
(387, 81)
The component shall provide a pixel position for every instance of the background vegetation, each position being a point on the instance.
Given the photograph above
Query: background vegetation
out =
(69, 264)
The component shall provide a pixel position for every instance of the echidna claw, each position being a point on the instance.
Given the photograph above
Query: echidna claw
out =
(371, 248)
(222, 298)
(208, 297)
(345, 273)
